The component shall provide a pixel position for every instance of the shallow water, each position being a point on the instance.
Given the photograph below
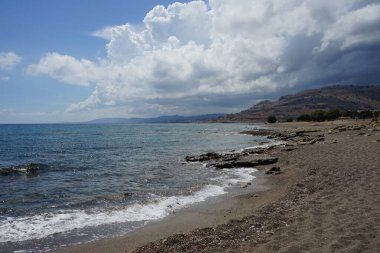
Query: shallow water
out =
(64, 184)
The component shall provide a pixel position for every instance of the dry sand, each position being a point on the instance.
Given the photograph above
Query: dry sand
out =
(327, 199)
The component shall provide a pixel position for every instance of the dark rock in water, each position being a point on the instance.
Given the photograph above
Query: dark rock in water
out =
(127, 194)
(258, 132)
(6, 171)
(247, 158)
(229, 157)
(247, 161)
(273, 170)
(30, 169)
(4, 210)
(221, 164)
(254, 160)
(212, 156)
(203, 157)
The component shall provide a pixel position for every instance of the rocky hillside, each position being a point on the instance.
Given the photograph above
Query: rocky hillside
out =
(347, 97)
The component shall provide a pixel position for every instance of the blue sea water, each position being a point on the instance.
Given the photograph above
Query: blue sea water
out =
(70, 183)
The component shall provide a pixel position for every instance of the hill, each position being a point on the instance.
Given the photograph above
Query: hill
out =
(162, 119)
(342, 97)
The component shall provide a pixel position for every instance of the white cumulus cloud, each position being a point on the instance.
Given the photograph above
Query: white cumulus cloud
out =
(67, 69)
(225, 53)
(8, 60)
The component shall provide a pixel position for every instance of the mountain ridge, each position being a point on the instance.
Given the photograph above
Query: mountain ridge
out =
(160, 119)
(341, 97)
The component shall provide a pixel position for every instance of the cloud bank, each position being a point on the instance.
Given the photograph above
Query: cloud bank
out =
(221, 55)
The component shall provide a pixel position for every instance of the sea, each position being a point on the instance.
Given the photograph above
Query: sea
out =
(66, 184)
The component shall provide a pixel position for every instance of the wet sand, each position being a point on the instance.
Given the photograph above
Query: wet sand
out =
(326, 199)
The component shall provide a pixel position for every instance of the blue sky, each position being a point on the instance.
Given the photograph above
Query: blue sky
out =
(79, 60)
(32, 28)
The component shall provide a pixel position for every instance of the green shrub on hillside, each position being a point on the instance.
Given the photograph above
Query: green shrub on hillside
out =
(350, 114)
(320, 115)
(304, 117)
(376, 114)
(289, 120)
(332, 114)
(271, 119)
(365, 114)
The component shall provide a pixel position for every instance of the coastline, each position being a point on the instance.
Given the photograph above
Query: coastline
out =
(307, 200)
(215, 211)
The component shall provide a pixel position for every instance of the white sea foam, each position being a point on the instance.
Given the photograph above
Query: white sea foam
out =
(40, 226)
(235, 176)
(43, 225)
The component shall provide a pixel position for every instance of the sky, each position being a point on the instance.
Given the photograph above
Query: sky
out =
(78, 60)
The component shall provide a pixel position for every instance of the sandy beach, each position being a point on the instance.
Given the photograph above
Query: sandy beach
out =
(324, 199)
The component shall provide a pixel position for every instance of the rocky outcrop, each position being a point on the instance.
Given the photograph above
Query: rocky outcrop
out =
(258, 132)
(203, 157)
(254, 160)
(258, 156)
(247, 158)
(343, 128)
(244, 162)
(30, 169)
(301, 137)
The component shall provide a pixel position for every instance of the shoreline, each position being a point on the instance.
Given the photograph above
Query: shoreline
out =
(214, 211)
(201, 230)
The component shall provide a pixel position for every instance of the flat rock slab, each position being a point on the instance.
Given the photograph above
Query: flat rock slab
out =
(254, 160)
(247, 161)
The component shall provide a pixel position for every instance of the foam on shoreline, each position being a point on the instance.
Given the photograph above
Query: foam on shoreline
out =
(43, 225)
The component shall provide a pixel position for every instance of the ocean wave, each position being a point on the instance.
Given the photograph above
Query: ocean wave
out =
(43, 225)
